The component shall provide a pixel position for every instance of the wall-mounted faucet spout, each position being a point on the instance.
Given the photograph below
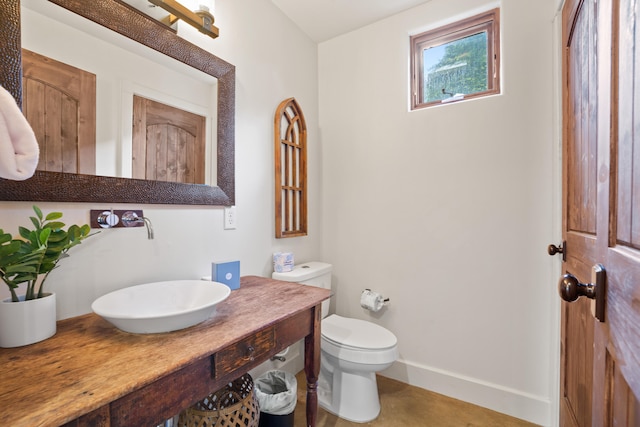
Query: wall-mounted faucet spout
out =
(131, 219)
(147, 222)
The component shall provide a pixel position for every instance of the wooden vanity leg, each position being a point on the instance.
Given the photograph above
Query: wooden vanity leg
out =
(312, 366)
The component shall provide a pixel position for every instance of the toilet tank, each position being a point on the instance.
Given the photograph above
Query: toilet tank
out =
(312, 273)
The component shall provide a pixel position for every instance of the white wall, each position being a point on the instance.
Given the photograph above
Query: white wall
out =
(448, 210)
(274, 61)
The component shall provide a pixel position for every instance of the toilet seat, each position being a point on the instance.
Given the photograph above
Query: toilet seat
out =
(358, 341)
(356, 333)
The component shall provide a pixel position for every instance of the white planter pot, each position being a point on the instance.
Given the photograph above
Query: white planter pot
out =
(27, 322)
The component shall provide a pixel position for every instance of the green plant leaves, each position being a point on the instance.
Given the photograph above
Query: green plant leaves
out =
(18, 263)
(4, 238)
(43, 237)
(35, 221)
(37, 211)
(38, 252)
(53, 225)
(53, 215)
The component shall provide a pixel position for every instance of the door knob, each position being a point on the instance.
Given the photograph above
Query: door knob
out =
(553, 250)
(571, 289)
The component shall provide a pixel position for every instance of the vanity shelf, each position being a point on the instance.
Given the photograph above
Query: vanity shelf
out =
(92, 374)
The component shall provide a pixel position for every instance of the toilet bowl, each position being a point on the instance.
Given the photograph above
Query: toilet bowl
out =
(352, 351)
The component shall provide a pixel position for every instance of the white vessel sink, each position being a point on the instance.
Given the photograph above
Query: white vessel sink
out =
(161, 306)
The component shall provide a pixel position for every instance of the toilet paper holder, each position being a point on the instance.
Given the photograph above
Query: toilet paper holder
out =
(384, 299)
(372, 301)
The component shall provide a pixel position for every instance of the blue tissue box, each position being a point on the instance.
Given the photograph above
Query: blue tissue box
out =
(227, 273)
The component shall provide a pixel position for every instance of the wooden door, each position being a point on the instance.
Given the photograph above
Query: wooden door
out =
(600, 359)
(168, 143)
(59, 102)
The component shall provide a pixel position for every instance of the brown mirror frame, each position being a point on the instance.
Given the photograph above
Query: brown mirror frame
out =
(64, 187)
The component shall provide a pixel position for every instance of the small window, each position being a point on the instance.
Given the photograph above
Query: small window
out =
(455, 62)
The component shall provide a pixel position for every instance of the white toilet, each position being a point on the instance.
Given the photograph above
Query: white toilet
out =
(352, 351)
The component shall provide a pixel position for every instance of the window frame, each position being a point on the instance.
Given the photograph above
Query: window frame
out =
(488, 21)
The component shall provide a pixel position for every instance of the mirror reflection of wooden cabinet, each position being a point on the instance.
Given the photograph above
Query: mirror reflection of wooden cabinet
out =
(59, 102)
(127, 21)
(168, 143)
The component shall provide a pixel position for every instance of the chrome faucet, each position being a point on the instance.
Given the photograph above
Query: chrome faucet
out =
(130, 218)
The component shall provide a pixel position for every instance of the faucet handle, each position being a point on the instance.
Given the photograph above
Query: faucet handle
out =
(107, 219)
(131, 219)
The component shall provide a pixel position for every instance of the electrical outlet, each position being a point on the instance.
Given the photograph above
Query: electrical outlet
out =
(230, 218)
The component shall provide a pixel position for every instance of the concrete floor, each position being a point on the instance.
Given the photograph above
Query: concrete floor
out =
(407, 406)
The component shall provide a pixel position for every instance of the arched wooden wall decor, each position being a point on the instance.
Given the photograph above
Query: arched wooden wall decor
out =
(290, 132)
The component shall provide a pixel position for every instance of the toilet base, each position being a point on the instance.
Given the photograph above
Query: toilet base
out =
(352, 396)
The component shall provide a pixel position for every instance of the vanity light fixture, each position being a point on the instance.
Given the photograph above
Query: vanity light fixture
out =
(201, 19)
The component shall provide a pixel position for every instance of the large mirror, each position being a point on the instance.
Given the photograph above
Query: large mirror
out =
(119, 17)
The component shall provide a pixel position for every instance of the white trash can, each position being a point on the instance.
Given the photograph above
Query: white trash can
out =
(277, 394)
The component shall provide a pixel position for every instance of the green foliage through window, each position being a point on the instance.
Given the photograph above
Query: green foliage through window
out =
(457, 61)
(461, 68)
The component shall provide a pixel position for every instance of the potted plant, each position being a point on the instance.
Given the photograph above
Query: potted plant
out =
(29, 318)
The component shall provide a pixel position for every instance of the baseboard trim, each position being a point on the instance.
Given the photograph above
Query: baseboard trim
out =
(528, 407)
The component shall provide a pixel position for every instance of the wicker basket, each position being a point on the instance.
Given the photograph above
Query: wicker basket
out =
(233, 406)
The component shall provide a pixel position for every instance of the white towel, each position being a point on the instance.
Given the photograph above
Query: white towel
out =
(18, 146)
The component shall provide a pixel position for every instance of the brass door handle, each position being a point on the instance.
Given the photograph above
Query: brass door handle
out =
(571, 289)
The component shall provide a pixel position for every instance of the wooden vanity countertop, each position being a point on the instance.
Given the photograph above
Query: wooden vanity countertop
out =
(89, 363)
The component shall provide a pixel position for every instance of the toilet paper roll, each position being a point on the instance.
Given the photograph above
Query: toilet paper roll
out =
(372, 301)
